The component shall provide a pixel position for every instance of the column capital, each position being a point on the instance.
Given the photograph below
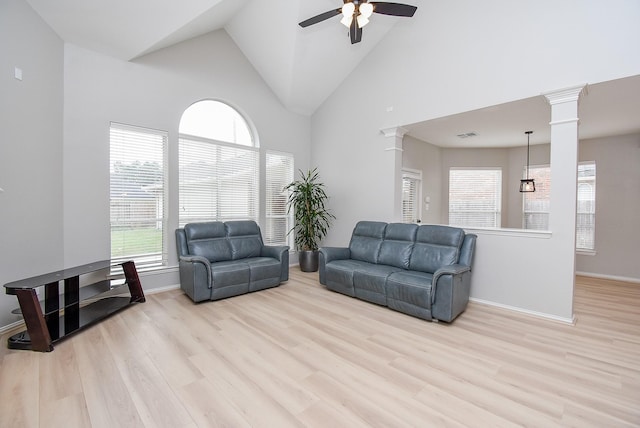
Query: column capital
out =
(566, 95)
(396, 131)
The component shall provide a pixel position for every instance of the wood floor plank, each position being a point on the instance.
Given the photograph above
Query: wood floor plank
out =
(151, 394)
(299, 355)
(19, 390)
(106, 394)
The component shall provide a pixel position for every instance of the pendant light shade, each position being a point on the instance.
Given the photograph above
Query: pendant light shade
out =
(527, 184)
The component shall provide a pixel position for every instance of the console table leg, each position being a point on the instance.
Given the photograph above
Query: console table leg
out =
(33, 318)
(133, 281)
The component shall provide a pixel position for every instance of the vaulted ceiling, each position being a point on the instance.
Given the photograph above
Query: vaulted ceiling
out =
(303, 66)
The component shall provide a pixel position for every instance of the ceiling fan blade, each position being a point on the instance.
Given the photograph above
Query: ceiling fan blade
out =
(355, 32)
(320, 18)
(395, 9)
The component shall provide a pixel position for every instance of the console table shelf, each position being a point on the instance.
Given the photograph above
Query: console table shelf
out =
(60, 315)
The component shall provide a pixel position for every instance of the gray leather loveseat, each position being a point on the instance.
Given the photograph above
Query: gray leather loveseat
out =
(424, 271)
(224, 259)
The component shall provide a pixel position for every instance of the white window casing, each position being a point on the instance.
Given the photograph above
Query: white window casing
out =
(475, 197)
(138, 171)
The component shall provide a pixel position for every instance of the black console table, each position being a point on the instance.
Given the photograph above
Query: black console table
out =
(47, 322)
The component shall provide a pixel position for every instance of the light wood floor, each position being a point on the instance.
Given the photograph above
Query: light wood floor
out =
(299, 355)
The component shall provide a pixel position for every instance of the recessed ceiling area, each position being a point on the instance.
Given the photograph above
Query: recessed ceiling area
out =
(605, 109)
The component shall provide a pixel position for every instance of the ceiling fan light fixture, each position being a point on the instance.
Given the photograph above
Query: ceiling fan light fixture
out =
(347, 14)
(366, 9)
(362, 21)
(356, 14)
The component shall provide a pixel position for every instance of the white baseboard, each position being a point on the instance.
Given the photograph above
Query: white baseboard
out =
(161, 289)
(611, 277)
(549, 317)
(11, 326)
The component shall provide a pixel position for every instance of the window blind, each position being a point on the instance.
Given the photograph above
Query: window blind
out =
(279, 173)
(410, 198)
(137, 195)
(586, 208)
(475, 197)
(217, 181)
(536, 205)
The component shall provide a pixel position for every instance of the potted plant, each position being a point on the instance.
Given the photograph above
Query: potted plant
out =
(307, 198)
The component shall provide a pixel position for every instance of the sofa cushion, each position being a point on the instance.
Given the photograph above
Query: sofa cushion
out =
(411, 287)
(229, 278)
(339, 274)
(366, 241)
(208, 240)
(369, 283)
(398, 242)
(435, 247)
(244, 238)
(264, 272)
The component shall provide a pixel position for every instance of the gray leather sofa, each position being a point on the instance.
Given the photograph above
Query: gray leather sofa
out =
(424, 271)
(224, 259)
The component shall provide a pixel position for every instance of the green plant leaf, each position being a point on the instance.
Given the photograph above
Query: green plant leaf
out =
(307, 198)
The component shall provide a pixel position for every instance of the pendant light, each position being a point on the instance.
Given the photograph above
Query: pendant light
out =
(527, 184)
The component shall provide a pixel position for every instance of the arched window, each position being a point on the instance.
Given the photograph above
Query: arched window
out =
(218, 165)
(215, 120)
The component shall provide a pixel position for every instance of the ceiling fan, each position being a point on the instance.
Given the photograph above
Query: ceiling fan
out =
(356, 13)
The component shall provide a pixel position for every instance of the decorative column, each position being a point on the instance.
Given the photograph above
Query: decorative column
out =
(564, 181)
(394, 148)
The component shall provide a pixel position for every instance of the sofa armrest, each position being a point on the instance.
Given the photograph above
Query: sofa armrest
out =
(450, 290)
(275, 251)
(328, 254)
(334, 253)
(455, 269)
(280, 253)
(189, 265)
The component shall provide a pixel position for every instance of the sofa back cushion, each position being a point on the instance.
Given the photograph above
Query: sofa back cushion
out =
(208, 239)
(366, 241)
(397, 245)
(435, 247)
(245, 239)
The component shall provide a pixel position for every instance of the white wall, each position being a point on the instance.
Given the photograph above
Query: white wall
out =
(539, 155)
(458, 56)
(427, 158)
(54, 166)
(617, 206)
(618, 200)
(434, 162)
(484, 158)
(153, 92)
(31, 149)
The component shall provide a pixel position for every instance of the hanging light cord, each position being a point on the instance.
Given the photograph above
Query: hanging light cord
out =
(528, 135)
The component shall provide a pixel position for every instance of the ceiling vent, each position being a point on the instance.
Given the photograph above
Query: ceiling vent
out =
(467, 135)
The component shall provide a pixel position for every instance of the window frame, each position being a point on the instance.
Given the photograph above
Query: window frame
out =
(286, 214)
(253, 212)
(592, 232)
(415, 198)
(152, 260)
(497, 213)
(539, 188)
(594, 200)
